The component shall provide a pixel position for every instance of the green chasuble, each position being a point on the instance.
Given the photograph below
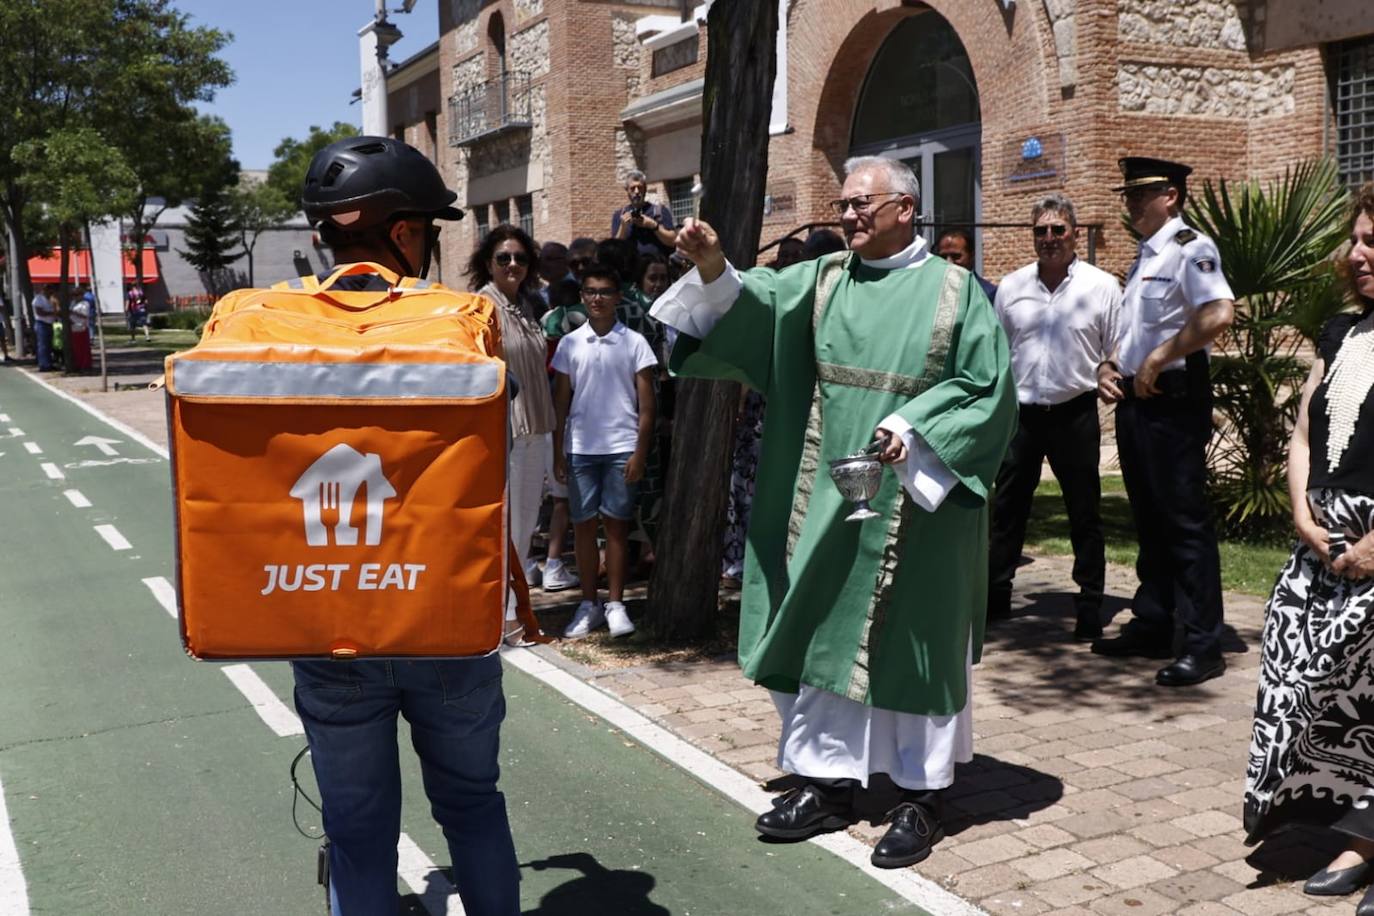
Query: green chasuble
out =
(880, 611)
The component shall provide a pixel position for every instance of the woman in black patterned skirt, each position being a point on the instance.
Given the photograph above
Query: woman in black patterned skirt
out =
(1312, 752)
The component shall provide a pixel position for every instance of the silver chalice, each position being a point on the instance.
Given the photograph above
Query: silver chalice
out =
(858, 477)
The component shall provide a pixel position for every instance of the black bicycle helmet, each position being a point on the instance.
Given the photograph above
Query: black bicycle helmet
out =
(356, 187)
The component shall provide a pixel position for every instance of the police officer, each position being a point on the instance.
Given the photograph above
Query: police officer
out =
(1176, 303)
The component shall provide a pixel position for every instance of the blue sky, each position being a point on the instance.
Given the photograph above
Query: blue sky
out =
(296, 64)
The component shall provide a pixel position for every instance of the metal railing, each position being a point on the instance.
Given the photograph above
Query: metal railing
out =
(492, 107)
(1092, 230)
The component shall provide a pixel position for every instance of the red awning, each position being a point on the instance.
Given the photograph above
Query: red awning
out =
(49, 269)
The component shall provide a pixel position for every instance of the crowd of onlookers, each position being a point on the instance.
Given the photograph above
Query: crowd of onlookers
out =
(591, 448)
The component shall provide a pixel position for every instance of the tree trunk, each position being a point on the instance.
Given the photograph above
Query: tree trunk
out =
(64, 297)
(737, 102)
(23, 283)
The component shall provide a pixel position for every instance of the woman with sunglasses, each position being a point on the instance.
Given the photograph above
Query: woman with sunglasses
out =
(505, 269)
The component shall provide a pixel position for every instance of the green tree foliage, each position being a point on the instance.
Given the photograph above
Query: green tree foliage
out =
(258, 207)
(212, 232)
(287, 172)
(128, 69)
(79, 178)
(1276, 242)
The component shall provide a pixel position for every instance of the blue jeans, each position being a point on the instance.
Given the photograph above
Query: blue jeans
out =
(597, 486)
(454, 708)
(43, 331)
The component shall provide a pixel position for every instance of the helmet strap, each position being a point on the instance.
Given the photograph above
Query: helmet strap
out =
(384, 233)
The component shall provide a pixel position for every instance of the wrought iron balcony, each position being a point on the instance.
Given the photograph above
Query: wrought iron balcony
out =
(490, 108)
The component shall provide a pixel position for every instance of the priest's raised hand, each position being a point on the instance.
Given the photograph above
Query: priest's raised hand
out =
(700, 244)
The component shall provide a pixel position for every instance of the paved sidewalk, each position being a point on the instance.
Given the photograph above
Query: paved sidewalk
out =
(1093, 791)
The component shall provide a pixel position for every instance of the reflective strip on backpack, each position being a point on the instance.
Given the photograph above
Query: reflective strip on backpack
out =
(244, 379)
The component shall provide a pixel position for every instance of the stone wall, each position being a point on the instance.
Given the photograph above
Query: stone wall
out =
(1219, 92)
(1061, 17)
(528, 50)
(527, 9)
(1182, 23)
(469, 73)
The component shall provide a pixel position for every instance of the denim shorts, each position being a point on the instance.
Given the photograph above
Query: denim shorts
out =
(596, 485)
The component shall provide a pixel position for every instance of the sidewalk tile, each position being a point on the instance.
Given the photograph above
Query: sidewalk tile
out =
(1071, 890)
(1147, 766)
(1197, 885)
(1140, 901)
(1045, 836)
(1054, 863)
(1017, 903)
(1208, 908)
(1108, 849)
(1136, 871)
(1265, 901)
(993, 850)
(985, 880)
(1208, 823)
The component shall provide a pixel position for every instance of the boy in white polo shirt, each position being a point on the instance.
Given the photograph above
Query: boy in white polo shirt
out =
(604, 401)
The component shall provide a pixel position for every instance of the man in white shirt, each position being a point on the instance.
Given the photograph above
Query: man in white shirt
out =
(1060, 315)
(44, 314)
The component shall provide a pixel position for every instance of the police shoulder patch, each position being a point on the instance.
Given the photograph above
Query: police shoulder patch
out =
(1206, 265)
(1184, 236)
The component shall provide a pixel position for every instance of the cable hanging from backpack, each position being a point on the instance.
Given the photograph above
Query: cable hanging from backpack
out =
(299, 793)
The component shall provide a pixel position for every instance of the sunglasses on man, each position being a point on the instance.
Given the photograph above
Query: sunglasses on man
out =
(1058, 230)
(504, 258)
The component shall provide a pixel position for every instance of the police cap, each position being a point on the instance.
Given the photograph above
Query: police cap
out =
(1142, 171)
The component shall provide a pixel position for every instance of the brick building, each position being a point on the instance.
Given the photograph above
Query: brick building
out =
(548, 103)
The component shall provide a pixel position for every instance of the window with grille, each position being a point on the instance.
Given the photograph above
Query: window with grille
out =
(1352, 91)
(524, 206)
(479, 213)
(680, 199)
(501, 212)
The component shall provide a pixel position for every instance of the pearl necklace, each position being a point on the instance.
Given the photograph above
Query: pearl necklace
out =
(1348, 384)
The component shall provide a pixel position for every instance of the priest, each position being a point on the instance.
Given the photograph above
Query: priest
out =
(864, 632)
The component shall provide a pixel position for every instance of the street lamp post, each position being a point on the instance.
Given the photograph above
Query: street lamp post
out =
(374, 40)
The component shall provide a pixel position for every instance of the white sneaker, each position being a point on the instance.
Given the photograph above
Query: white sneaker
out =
(558, 577)
(617, 619)
(589, 616)
(534, 576)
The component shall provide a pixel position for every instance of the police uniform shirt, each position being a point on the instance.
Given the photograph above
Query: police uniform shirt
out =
(1058, 337)
(1177, 271)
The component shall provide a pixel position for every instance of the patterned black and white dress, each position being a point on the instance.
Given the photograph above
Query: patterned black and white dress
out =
(1312, 749)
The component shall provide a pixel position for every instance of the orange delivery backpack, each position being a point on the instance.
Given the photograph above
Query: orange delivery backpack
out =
(339, 473)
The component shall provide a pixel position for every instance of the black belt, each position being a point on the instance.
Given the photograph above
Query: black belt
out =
(1075, 401)
(1191, 382)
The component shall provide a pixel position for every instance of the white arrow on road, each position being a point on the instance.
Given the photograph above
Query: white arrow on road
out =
(103, 444)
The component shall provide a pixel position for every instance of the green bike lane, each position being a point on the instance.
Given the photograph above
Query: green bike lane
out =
(139, 781)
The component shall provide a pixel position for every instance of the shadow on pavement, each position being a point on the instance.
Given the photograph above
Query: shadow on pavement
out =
(597, 889)
(1033, 657)
(1294, 854)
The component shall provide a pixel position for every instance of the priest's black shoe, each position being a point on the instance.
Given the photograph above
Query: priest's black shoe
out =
(1130, 644)
(913, 832)
(1338, 883)
(807, 811)
(1366, 907)
(1189, 670)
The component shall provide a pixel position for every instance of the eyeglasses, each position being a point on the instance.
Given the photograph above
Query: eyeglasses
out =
(599, 292)
(860, 202)
(503, 258)
(1058, 230)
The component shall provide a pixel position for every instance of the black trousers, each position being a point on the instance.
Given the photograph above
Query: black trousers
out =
(1069, 435)
(1162, 443)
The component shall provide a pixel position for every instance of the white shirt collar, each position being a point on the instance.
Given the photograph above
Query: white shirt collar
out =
(912, 255)
(1157, 241)
(589, 333)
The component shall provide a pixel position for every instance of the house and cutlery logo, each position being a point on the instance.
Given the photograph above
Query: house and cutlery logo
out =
(328, 492)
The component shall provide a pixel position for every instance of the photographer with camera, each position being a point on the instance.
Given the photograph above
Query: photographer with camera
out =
(649, 226)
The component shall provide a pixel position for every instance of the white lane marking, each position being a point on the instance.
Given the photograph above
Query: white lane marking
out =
(52, 470)
(14, 893)
(112, 537)
(4, 418)
(265, 703)
(904, 882)
(437, 894)
(77, 498)
(34, 448)
(16, 431)
(164, 593)
(100, 415)
(100, 443)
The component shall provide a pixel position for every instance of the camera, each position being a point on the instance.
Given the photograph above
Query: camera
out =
(638, 208)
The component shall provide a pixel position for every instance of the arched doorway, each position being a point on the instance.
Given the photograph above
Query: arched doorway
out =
(919, 103)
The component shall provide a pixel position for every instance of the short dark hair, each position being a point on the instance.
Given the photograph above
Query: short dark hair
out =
(955, 232)
(479, 271)
(599, 271)
(582, 242)
(620, 255)
(564, 293)
(821, 241)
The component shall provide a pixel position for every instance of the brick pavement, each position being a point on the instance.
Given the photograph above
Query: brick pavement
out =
(1092, 791)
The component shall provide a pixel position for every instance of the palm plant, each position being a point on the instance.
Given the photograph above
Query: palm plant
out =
(1276, 242)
